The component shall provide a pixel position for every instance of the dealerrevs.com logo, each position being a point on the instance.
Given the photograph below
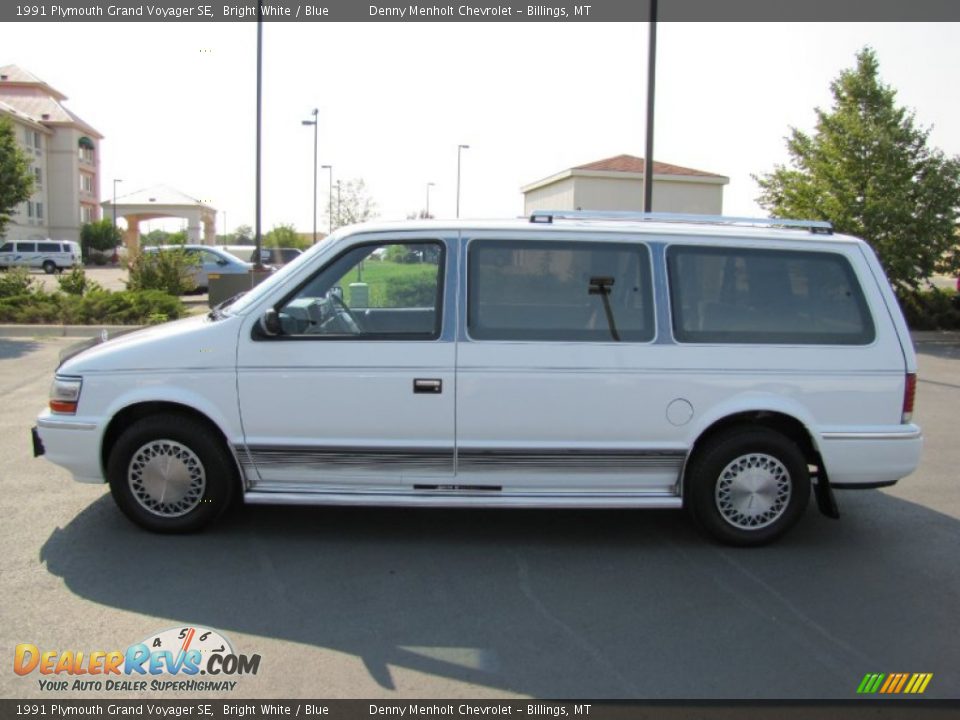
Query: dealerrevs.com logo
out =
(171, 660)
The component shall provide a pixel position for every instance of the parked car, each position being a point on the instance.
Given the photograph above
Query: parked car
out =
(210, 260)
(275, 256)
(49, 255)
(723, 366)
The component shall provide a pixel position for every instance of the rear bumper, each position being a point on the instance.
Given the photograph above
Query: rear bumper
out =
(871, 459)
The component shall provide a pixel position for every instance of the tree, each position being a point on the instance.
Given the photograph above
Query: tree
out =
(243, 235)
(100, 235)
(351, 205)
(285, 236)
(16, 178)
(868, 169)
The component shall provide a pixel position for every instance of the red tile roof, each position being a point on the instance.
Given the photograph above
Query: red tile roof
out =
(633, 164)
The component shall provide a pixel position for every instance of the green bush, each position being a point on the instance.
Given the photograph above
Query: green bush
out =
(16, 282)
(98, 306)
(76, 282)
(410, 291)
(169, 270)
(931, 309)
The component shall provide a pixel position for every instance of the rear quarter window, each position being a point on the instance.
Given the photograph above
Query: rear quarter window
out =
(745, 295)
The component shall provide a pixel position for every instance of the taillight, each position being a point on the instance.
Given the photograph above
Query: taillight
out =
(65, 394)
(909, 395)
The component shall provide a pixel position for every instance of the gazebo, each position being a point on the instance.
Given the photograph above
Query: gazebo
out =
(162, 201)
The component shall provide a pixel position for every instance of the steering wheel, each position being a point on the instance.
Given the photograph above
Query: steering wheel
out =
(344, 315)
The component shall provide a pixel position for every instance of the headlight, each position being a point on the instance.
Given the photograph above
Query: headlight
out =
(65, 394)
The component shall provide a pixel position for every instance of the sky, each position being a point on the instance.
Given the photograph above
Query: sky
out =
(176, 103)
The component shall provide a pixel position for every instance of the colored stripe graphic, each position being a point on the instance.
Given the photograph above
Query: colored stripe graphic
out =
(894, 683)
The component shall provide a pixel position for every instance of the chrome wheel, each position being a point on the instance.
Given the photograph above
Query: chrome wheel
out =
(753, 491)
(166, 478)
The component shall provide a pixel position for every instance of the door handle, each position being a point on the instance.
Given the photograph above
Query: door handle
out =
(429, 386)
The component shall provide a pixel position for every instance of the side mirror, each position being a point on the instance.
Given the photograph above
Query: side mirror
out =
(270, 323)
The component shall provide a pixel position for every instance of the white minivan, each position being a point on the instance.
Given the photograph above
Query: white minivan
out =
(48, 255)
(574, 360)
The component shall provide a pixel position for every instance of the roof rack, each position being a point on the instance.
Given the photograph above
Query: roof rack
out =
(820, 227)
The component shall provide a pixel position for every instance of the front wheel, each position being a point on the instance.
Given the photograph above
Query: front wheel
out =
(170, 474)
(747, 486)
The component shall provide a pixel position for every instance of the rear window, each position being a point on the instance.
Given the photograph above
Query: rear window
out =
(741, 295)
(49, 247)
(571, 291)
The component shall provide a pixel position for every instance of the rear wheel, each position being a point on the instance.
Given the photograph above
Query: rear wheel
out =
(49, 267)
(168, 473)
(747, 485)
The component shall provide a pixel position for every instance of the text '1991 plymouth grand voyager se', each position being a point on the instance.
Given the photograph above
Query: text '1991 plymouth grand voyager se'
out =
(575, 360)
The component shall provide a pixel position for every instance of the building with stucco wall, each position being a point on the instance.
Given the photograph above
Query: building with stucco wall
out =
(616, 183)
(64, 154)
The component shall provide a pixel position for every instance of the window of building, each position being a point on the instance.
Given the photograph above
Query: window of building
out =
(740, 295)
(85, 149)
(559, 291)
(38, 176)
(86, 182)
(40, 211)
(29, 208)
(390, 291)
(37, 140)
(86, 214)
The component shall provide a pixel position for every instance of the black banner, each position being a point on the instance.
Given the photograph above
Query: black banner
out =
(481, 11)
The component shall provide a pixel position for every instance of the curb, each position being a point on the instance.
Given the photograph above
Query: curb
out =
(948, 337)
(77, 331)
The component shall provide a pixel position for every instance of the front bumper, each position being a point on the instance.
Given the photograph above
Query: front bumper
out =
(38, 448)
(71, 443)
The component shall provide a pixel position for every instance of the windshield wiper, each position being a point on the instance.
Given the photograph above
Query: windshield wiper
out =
(601, 286)
(216, 312)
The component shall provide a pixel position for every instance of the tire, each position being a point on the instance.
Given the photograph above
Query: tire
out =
(747, 486)
(170, 474)
(49, 267)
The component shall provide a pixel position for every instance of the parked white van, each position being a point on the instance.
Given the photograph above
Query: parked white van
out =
(49, 255)
(636, 361)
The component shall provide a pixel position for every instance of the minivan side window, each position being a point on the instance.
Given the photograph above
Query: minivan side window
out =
(48, 247)
(559, 291)
(370, 292)
(26, 247)
(7, 247)
(743, 295)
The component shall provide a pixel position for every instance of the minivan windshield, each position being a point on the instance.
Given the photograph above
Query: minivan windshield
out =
(278, 278)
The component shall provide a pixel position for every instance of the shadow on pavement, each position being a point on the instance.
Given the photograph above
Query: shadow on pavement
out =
(12, 349)
(598, 604)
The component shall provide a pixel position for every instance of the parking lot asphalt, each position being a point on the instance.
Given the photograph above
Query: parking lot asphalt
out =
(392, 603)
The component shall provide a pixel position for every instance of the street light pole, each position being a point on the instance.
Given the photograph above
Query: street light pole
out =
(429, 185)
(115, 181)
(315, 126)
(651, 83)
(329, 198)
(459, 149)
(338, 203)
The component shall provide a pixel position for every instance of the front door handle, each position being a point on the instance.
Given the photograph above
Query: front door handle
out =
(430, 386)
